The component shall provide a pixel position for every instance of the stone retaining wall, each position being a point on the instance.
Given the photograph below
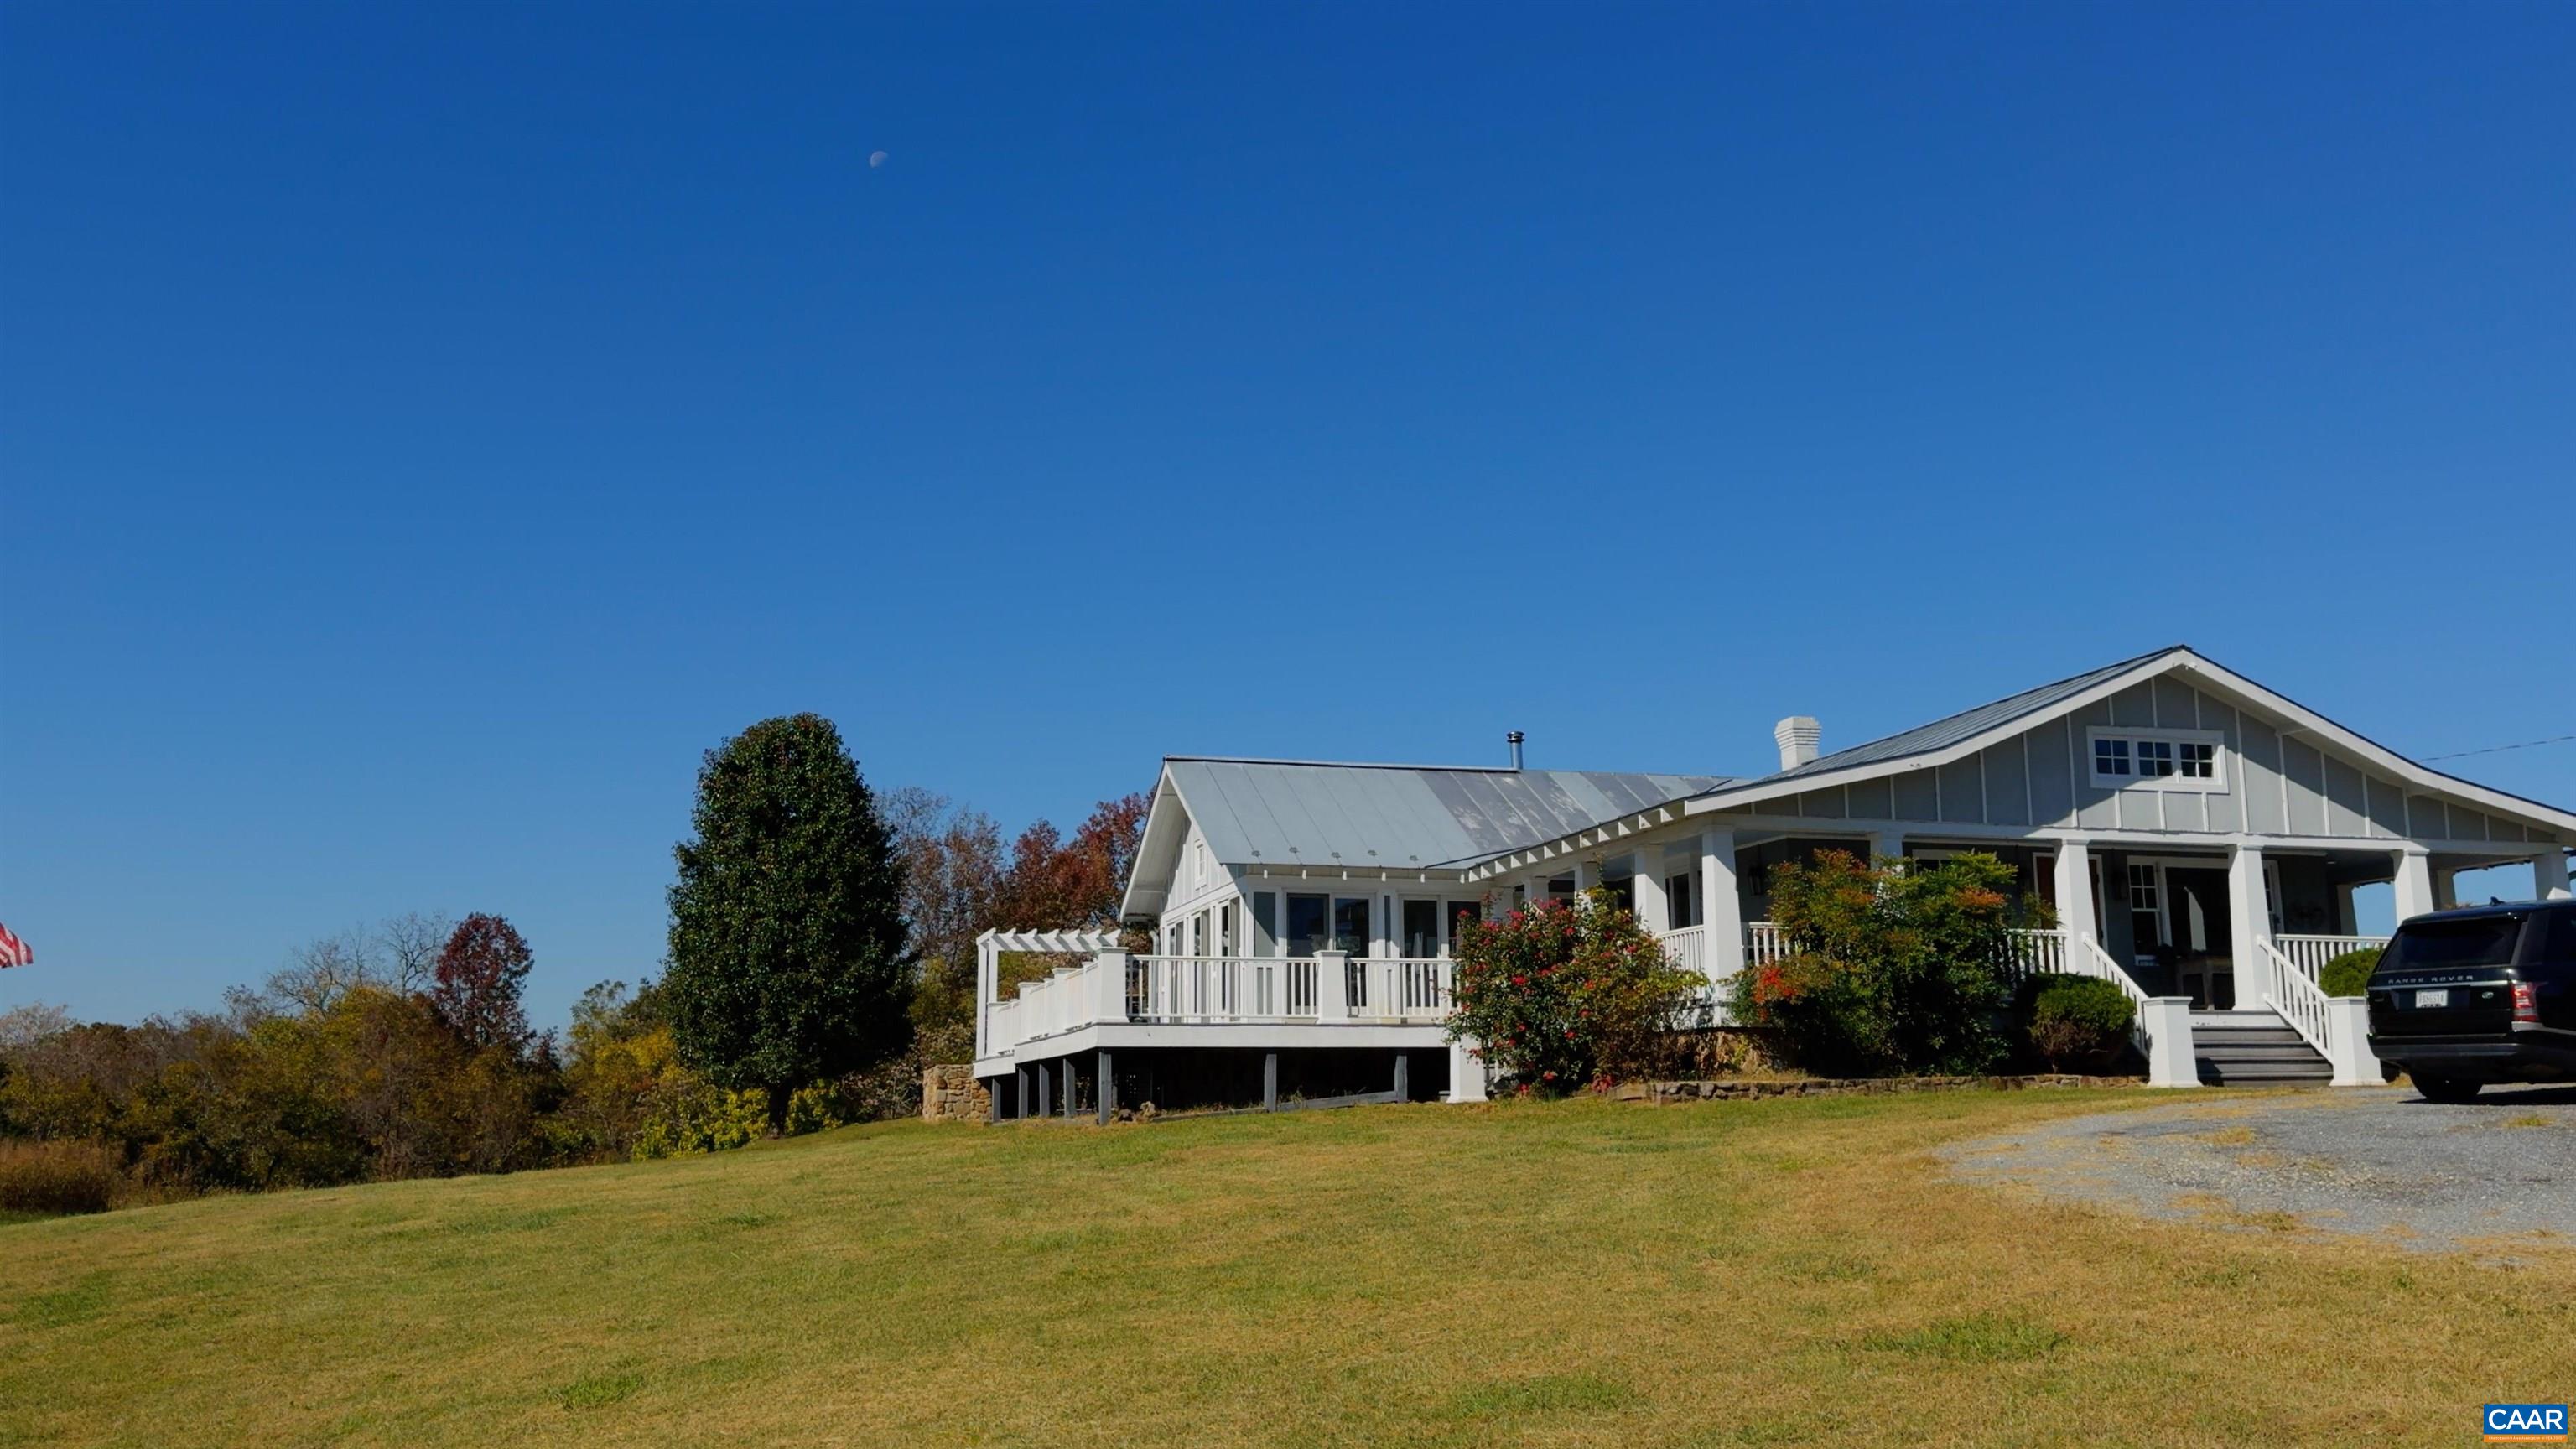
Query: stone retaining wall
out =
(1730, 1089)
(950, 1093)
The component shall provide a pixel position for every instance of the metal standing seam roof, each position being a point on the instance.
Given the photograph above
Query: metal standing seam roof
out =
(1284, 812)
(1940, 734)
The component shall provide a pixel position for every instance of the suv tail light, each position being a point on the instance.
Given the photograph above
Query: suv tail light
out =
(2526, 1003)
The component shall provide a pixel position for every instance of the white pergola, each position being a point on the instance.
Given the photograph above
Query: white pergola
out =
(988, 960)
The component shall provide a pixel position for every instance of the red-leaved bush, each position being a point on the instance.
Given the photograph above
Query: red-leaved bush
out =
(1556, 996)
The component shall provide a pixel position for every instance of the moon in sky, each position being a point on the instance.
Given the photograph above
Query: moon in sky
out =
(876, 159)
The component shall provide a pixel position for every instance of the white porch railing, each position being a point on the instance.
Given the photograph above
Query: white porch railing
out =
(1220, 988)
(1282, 988)
(1409, 988)
(1688, 948)
(2036, 953)
(2337, 1026)
(2311, 953)
(2032, 952)
(1764, 943)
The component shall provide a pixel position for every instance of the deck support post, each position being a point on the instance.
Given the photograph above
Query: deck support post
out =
(1069, 1075)
(1270, 1081)
(1046, 1091)
(1020, 1084)
(1108, 1092)
(1403, 1080)
(1466, 1074)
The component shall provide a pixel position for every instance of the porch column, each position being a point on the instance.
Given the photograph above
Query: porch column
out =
(1587, 874)
(2075, 892)
(1654, 912)
(1720, 909)
(2549, 875)
(2347, 920)
(1889, 843)
(2446, 889)
(2414, 882)
(2249, 925)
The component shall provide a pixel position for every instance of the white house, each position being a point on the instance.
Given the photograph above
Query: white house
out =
(2200, 837)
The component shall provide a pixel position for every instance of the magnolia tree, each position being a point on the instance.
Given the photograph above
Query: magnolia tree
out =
(1559, 996)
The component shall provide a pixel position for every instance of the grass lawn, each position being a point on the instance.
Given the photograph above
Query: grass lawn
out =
(1781, 1272)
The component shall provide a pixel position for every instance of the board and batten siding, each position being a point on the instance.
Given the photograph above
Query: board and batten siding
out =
(2278, 783)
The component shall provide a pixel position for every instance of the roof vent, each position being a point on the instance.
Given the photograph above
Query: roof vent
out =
(1514, 740)
(1798, 736)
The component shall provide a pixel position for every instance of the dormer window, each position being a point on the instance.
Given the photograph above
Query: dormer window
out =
(2157, 759)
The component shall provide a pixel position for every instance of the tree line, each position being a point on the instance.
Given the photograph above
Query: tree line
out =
(821, 952)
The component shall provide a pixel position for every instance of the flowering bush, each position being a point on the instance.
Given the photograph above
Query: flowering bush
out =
(1893, 966)
(1556, 997)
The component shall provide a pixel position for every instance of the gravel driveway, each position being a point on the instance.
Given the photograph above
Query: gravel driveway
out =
(2383, 1162)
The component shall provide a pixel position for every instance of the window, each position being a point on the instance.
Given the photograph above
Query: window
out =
(2146, 907)
(1462, 914)
(2157, 759)
(1421, 929)
(1309, 918)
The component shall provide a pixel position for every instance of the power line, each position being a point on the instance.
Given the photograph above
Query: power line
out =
(2498, 749)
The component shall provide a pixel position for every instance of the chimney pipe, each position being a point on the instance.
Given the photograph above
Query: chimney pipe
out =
(1797, 736)
(1514, 740)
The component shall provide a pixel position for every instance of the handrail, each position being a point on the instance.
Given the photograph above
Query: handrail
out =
(2298, 1000)
(2094, 961)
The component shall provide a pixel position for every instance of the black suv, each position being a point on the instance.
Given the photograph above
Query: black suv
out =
(2463, 998)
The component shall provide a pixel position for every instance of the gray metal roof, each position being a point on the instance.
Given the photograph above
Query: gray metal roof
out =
(1286, 812)
(1942, 733)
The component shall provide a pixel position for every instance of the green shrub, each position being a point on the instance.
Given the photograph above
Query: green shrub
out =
(58, 1177)
(1893, 966)
(2079, 1021)
(2349, 973)
(1557, 997)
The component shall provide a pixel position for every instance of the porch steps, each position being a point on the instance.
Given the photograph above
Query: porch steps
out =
(2254, 1049)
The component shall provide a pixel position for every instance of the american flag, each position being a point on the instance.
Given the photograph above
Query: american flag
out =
(14, 952)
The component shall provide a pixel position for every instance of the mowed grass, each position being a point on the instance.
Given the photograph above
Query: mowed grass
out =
(1782, 1272)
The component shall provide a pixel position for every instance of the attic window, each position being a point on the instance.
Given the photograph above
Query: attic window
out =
(2157, 759)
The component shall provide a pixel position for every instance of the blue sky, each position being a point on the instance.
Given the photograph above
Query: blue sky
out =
(424, 429)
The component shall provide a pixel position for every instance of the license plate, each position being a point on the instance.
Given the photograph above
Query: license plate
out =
(2425, 999)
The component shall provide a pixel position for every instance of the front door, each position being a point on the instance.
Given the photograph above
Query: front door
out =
(2197, 928)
